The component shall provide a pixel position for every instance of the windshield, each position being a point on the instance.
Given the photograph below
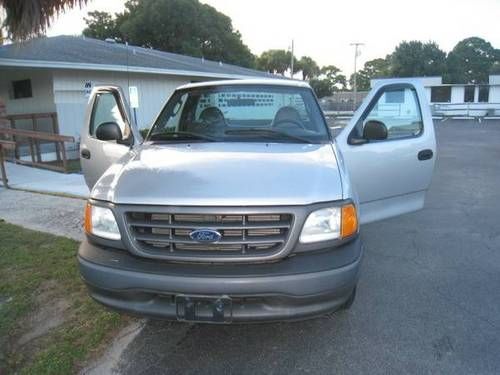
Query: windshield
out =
(241, 113)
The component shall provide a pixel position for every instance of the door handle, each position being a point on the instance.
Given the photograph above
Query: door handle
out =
(85, 153)
(425, 154)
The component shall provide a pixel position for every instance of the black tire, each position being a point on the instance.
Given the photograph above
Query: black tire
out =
(347, 304)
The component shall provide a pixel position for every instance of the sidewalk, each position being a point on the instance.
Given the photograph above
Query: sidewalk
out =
(45, 181)
(61, 216)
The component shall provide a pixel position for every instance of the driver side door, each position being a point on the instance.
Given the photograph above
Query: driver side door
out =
(390, 170)
(107, 104)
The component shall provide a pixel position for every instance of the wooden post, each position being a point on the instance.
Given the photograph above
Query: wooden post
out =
(32, 150)
(3, 123)
(64, 159)
(5, 181)
(3, 173)
(37, 142)
(55, 130)
(58, 151)
(16, 150)
(55, 123)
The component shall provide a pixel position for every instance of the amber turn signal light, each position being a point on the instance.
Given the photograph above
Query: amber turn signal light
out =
(349, 224)
(87, 218)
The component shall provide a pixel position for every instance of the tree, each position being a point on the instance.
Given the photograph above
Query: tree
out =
(322, 87)
(333, 74)
(180, 26)
(101, 25)
(276, 61)
(308, 67)
(471, 61)
(377, 68)
(28, 18)
(495, 68)
(417, 59)
(329, 81)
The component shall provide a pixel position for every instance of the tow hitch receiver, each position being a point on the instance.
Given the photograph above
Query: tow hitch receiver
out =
(204, 309)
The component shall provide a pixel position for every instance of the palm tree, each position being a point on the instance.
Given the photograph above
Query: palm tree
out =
(28, 18)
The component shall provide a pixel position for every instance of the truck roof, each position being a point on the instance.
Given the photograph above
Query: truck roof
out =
(264, 81)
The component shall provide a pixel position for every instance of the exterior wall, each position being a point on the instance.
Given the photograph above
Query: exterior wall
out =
(457, 94)
(71, 96)
(431, 81)
(495, 94)
(494, 79)
(426, 81)
(41, 86)
(495, 90)
(428, 93)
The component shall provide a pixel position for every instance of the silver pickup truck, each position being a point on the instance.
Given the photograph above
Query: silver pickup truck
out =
(240, 205)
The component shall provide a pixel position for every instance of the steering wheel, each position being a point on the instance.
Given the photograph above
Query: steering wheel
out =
(299, 124)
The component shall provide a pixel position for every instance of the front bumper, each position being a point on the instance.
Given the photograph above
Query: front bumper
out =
(297, 287)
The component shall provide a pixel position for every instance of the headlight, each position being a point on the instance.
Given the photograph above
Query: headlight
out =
(329, 224)
(101, 222)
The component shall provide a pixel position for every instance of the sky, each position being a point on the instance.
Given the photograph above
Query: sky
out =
(324, 29)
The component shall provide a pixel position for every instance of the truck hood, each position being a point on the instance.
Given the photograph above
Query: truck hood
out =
(223, 174)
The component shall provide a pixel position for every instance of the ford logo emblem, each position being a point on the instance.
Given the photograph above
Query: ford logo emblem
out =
(205, 235)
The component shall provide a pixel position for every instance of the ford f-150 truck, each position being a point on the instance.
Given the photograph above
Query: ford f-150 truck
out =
(240, 205)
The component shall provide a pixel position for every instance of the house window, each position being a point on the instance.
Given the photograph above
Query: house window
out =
(484, 94)
(441, 94)
(469, 94)
(22, 89)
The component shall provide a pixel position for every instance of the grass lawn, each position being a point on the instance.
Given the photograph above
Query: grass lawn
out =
(48, 324)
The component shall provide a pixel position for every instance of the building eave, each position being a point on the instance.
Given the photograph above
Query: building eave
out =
(22, 63)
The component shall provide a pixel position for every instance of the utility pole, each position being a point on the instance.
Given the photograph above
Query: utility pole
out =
(291, 63)
(355, 83)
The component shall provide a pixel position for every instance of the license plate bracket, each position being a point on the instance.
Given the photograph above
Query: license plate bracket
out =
(204, 309)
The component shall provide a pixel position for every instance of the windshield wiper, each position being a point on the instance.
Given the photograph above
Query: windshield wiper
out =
(180, 136)
(268, 133)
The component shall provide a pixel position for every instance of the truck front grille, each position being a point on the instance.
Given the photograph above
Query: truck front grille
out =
(245, 235)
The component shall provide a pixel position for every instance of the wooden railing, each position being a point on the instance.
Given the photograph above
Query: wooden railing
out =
(33, 139)
(35, 119)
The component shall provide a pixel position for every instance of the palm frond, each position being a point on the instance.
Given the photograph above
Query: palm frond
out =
(28, 18)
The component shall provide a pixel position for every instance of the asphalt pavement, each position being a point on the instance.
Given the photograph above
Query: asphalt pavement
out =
(428, 299)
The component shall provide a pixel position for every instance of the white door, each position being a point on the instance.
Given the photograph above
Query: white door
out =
(389, 150)
(107, 133)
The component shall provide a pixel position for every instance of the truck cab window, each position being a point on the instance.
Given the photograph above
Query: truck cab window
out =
(247, 113)
(106, 109)
(399, 110)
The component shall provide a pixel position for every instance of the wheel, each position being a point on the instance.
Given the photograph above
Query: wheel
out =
(347, 304)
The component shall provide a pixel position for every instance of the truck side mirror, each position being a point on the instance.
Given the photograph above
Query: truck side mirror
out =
(109, 131)
(375, 130)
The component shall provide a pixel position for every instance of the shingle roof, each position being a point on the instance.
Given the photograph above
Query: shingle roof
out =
(84, 53)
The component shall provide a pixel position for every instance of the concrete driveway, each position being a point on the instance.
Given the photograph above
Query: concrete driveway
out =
(428, 299)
